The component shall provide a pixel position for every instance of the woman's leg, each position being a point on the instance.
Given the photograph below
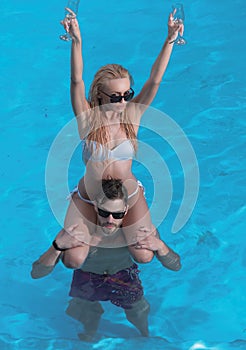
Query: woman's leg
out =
(73, 258)
(137, 225)
(82, 214)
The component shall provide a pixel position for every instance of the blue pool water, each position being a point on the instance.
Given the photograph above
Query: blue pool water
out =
(203, 305)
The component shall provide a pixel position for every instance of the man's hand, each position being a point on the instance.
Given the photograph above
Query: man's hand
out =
(153, 243)
(70, 238)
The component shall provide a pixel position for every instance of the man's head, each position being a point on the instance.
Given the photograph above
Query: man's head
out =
(111, 205)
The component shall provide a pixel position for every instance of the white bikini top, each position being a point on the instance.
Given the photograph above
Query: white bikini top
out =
(123, 151)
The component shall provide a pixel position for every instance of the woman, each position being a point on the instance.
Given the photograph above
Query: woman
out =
(108, 125)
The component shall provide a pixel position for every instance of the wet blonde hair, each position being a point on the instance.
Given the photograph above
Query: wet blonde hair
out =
(98, 130)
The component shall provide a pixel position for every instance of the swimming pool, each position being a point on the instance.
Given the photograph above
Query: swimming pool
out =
(203, 305)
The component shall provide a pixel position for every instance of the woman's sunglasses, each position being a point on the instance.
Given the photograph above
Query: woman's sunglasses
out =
(117, 98)
(105, 214)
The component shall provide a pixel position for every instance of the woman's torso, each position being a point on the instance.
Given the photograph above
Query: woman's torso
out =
(113, 158)
(103, 162)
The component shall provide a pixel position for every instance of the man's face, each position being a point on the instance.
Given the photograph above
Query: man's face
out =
(109, 224)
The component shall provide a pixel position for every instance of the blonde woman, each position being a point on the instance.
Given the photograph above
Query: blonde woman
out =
(108, 123)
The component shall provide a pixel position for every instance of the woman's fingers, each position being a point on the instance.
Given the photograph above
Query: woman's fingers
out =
(70, 12)
(181, 29)
(68, 19)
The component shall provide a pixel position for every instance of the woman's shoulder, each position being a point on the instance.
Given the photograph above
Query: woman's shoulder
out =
(135, 111)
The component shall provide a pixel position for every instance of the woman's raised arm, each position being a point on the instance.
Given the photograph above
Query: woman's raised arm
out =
(77, 89)
(151, 86)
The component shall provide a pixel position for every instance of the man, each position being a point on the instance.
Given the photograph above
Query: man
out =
(103, 273)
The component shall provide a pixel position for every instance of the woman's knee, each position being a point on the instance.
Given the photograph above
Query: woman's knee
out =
(143, 256)
(73, 258)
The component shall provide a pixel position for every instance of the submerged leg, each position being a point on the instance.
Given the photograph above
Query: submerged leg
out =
(88, 313)
(138, 316)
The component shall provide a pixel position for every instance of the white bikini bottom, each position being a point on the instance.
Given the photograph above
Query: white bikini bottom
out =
(76, 190)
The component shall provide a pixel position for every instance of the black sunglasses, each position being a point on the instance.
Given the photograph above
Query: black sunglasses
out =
(105, 214)
(117, 98)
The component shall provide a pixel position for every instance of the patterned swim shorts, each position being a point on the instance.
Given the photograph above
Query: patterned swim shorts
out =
(122, 288)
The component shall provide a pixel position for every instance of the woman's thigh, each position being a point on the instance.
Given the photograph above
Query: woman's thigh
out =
(137, 223)
(82, 214)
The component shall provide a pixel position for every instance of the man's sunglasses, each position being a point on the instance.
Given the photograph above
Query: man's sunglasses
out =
(117, 98)
(105, 214)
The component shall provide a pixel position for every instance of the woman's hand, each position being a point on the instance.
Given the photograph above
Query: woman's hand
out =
(174, 28)
(71, 25)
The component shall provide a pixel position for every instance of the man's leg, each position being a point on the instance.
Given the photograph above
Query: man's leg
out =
(88, 313)
(138, 316)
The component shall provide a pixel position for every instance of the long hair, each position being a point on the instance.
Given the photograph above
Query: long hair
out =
(98, 131)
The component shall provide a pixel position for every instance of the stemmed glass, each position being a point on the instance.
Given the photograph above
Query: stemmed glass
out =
(178, 17)
(74, 6)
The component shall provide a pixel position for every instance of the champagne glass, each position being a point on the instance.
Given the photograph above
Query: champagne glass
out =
(178, 17)
(74, 6)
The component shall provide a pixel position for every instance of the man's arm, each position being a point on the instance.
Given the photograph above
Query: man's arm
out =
(64, 241)
(171, 260)
(46, 263)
